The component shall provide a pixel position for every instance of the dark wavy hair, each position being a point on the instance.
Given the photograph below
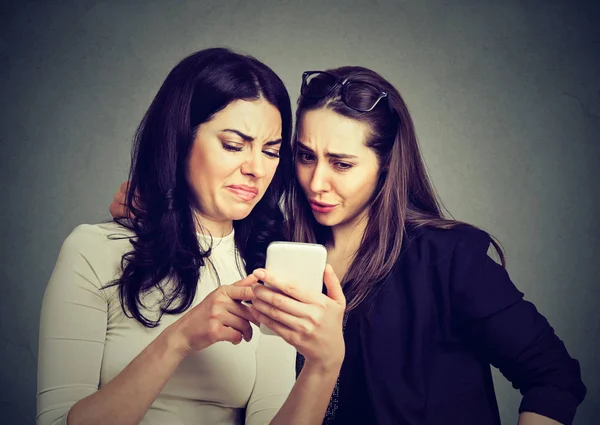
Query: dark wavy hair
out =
(165, 245)
(404, 196)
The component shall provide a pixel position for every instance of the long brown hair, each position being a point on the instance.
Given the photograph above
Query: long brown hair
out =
(404, 197)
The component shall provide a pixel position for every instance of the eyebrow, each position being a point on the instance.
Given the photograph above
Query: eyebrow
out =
(329, 154)
(248, 138)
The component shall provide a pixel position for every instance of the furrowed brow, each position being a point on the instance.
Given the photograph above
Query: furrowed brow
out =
(239, 133)
(341, 155)
(304, 147)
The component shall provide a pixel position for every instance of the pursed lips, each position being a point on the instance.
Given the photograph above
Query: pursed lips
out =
(246, 193)
(321, 204)
(321, 207)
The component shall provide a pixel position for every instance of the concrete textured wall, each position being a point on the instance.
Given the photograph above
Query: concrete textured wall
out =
(505, 97)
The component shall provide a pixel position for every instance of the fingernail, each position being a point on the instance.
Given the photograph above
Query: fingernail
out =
(259, 274)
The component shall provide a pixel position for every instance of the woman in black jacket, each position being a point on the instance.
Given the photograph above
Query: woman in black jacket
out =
(428, 310)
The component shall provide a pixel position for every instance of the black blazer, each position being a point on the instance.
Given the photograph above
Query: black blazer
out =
(430, 331)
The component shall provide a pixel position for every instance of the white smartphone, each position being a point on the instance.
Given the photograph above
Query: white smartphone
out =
(296, 262)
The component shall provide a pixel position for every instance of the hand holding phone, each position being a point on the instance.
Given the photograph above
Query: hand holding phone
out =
(291, 303)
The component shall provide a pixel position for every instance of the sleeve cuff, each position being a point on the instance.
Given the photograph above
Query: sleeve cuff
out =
(551, 402)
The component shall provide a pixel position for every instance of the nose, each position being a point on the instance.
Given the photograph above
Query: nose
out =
(319, 182)
(254, 164)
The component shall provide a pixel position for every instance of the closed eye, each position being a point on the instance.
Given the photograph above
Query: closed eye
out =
(272, 154)
(232, 148)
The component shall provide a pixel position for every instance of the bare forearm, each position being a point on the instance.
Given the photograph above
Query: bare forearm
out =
(309, 398)
(530, 418)
(126, 399)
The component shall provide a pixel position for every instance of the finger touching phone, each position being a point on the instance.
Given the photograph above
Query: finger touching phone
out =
(302, 264)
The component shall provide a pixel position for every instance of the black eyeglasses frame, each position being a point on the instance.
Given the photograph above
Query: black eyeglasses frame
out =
(343, 82)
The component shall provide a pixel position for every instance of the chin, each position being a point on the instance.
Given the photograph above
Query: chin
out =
(240, 212)
(326, 220)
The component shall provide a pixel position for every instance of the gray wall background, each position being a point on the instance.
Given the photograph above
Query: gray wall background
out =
(505, 96)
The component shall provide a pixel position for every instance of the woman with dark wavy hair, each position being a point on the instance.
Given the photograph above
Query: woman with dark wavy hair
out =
(142, 320)
(428, 309)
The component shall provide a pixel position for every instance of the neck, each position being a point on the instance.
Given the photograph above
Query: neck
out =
(346, 237)
(215, 228)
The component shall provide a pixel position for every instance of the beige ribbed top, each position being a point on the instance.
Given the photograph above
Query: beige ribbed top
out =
(86, 340)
